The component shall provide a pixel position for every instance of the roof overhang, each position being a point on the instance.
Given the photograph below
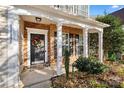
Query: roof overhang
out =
(86, 20)
(68, 16)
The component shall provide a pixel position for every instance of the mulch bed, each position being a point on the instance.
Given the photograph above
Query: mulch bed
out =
(109, 79)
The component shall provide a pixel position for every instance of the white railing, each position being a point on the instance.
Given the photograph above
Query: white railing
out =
(73, 9)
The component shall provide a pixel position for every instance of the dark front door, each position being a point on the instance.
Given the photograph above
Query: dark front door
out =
(37, 48)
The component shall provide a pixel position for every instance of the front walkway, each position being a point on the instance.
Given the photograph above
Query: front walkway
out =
(39, 76)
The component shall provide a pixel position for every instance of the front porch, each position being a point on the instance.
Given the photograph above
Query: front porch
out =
(57, 38)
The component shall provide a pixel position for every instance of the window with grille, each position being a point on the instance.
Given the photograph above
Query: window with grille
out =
(78, 45)
(68, 41)
(65, 42)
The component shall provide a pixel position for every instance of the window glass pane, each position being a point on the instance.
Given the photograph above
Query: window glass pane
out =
(71, 43)
(80, 51)
(76, 44)
(55, 45)
(68, 43)
(65, 44)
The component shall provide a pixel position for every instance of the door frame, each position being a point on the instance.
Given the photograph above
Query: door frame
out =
(36, 31)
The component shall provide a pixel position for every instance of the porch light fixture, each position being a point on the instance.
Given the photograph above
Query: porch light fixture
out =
(38, 19)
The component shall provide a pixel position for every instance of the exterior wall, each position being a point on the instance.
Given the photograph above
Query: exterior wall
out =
(21, 38)
(51, 38)
(3, 46)
(25, 48)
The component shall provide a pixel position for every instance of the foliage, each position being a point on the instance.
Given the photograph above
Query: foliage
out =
(121, 61)
(122, 85)
(111, 56)
(113, 37)
(120, 71)
(93, 45)
(90, 65)
(96, 84)
(109, 79)
(37, 42)
(66, 61)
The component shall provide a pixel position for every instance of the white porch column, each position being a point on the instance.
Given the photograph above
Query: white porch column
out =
(101, 46)
(85, 42)
(13, 50)
(59, 48)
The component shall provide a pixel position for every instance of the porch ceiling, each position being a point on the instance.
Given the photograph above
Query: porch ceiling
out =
(45, 21)
(33, 19)
(73, 25)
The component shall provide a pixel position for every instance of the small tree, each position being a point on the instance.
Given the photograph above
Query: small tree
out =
(66, 61)
(113, 37)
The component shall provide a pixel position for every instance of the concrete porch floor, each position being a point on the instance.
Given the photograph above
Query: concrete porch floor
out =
(39, 76)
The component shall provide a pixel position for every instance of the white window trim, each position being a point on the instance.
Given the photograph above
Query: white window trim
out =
(37, 31)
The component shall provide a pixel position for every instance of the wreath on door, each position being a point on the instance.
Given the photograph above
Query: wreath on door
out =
(37, 42)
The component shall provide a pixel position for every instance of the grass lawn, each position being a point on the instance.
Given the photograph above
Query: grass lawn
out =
(113, 78)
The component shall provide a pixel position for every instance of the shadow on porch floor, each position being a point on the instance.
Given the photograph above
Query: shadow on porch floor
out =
(38, 76)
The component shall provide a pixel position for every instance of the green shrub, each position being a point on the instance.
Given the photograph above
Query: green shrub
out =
(89, 65)
(66, 61)
(111, 56)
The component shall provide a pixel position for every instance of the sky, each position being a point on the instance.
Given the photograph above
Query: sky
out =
(100, 9)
